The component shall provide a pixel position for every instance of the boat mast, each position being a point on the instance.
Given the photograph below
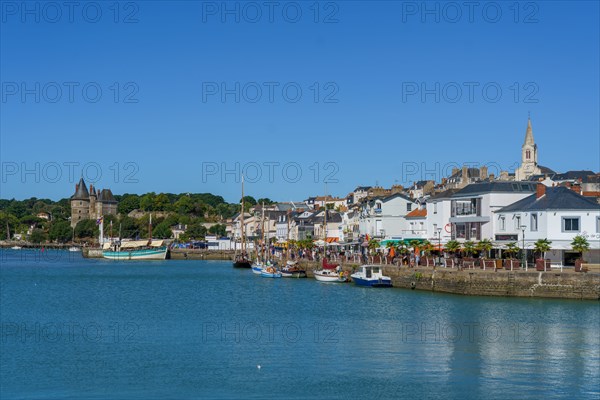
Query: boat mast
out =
(262, 229)
(242, 217)
(150, 230)
(7, 231)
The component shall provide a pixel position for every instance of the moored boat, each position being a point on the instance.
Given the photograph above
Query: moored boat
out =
(257, 268)
(371, 276)
(136, 250)
(291, 270)
(241, 262)
(330, 273)
(270, 272)
(16, 248)
(74, 248)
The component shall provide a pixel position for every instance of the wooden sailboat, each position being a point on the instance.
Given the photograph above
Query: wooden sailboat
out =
(329, 272)
(241, 260)
(136, 249)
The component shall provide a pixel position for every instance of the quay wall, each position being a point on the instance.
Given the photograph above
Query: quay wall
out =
(475, 282)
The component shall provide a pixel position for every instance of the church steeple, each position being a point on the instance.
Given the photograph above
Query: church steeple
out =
(529, 134)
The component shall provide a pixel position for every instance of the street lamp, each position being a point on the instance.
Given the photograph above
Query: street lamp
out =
(439, 232)
(523, 251)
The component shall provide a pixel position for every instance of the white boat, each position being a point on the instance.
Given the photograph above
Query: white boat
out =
(371, 276)
(16, 248)
(74, 248)
(136, 250)
(330, 275)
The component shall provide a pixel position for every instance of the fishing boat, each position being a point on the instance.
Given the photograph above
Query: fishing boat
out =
(291, 270)
(371, 276)
(270, 272)
(257, 267)
(16, 248)
(135, 250)
(241, 260)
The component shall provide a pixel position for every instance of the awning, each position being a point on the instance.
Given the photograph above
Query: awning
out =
(401, 241)
(134, 243)
(332, 239)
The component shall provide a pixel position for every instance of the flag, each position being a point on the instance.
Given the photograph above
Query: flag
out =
(367, 237)
(99, 220)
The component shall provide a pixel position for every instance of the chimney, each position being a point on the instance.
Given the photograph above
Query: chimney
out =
(540, 190)
(454, 170)
(483, 173)
(465, 174)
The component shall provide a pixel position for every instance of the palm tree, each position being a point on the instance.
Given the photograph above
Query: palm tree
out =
(373, 244)
(541, 246)
(453, 246)
(512, 249)
(427, 247)
(485, 246)
(580, 245)
(468, 246)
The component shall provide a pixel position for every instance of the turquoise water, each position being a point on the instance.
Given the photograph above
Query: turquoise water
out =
(75, 328)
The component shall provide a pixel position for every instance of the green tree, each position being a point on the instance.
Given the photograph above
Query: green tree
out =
(184, 205)
(580, 245)
(37, 236)
(265, 200)
(194, 231)
(147, 201)
(162, 231)
(128, 203)
(86, 228)
(60, 231)
(161, 203)
(218, 230)
(129, 227)
(541, 246)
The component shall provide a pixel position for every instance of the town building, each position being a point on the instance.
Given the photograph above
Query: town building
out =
(554, 213)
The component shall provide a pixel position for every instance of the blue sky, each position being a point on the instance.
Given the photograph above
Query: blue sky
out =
(387, 75)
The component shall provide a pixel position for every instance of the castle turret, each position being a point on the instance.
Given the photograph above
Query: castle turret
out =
(80, 203)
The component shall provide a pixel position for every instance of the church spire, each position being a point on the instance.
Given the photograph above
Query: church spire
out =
(529, 133)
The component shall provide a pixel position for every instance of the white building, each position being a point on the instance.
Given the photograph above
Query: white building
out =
(472, 207)
(438, 216)
(383, 217)
(557, 214)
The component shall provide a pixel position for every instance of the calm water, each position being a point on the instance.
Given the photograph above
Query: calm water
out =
(75, 328)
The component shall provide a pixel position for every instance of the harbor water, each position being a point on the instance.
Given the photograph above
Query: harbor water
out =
(96, 329)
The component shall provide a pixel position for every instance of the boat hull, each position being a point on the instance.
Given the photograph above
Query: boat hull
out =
(293, 274)
(256, 269)
(371, 282)
(270, 274)
(242, 264)
(325, 276)
(141, 254)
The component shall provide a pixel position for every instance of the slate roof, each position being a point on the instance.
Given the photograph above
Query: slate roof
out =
(106, 196)
(446, 194)
(556, 198)
(495, 187)
(81, 192)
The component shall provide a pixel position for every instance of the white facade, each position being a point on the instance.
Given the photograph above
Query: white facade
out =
(384, 217)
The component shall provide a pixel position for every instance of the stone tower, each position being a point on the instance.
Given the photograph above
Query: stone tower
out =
(80, 203)
(93, 198)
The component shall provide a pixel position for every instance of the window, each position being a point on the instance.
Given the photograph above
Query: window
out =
(435, 208)
(408, 206)
(570, 224)
(534, 222)
(528, 154)
(517, 222)
(502, 223)
(598, 224)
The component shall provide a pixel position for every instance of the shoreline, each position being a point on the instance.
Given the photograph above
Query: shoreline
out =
(555, 284)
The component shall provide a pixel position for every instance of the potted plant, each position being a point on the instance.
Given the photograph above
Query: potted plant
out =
(510, 263)
(540, 247)
(485, 246)
(579, 245)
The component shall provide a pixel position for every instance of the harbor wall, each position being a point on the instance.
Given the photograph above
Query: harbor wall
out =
(552, 284)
